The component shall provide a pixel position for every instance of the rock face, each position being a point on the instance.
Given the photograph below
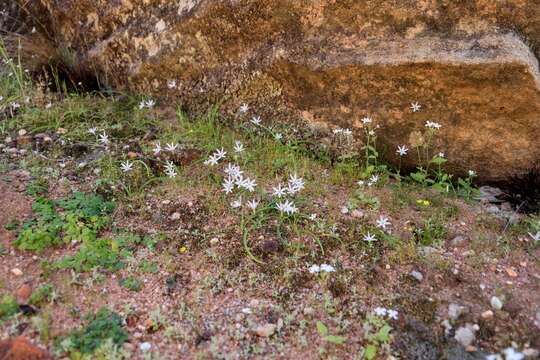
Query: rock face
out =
(472, 65)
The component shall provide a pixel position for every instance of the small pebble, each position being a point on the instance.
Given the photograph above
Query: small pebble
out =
(16, 272)
(455, 311)
(265, 330)
(488, 314)
(145, 346)
(496, 303)
(417, 275)
(465, 336)
(308, 310)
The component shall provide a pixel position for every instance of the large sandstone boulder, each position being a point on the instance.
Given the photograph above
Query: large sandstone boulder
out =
(472, 65)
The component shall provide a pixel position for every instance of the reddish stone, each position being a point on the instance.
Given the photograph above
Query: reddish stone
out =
(20, 348)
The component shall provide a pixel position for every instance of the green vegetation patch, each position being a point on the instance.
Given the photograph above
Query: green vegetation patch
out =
(103, 326)
(8, 307)
(79, 218)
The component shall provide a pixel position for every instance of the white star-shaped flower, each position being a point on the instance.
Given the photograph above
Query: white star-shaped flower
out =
(380, 311)
(92, 130)
(296, 184)
(233, 171)
(433, 125)
(367, 120)
(220, 154)
(171, 147)
(236, 203)
(244, 108)
(373, 180)
(535, 237)
(104, 138)
(415, 107)
(279, 191)
(150, 103)
(383, 223)
(313, 269)
(392, 314)
(212, 160)
(228, 185)
(238, 147)
(512, 354)
(286, 207)
(402, 150)
(256, 120)
(252, 204)
(248, 184)
(170, 169)
(369, 237)
(126, 166)
(157, 148)
(327, 268)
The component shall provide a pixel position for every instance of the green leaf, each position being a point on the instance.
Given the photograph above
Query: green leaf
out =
(418, 177)
(437, 160)
(334, 339)
(370, 352)
(321, 328)
(384, 333)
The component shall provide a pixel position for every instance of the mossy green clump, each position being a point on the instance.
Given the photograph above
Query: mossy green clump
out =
(131, 283)
(106, 254)
(42, 295)
(83, 216)
(102, 326)
(8, 307)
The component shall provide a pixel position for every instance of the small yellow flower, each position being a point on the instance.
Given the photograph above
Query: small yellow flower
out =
(423, 202)
(182, 250)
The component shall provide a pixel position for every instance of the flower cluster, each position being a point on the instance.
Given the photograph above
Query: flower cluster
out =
(286, 207)
(433, 125)
(315, 269)
(170, 169)
(373, 180)
(384, 312)
(234, 178)
(340, 131)
(216, 157)
(509, 354)
(148, 104)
